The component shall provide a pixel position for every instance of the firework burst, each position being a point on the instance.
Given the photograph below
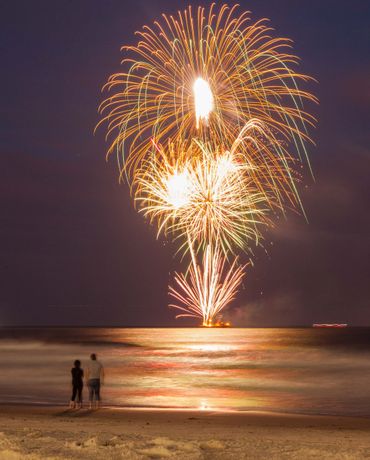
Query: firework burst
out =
(204, 74)
(207, 196)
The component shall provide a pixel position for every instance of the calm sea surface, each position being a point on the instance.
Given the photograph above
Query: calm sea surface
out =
(288, 370)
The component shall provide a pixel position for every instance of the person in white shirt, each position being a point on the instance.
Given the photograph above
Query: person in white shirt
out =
(95, 378)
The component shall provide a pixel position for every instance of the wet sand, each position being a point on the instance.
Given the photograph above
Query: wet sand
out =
(33, 433)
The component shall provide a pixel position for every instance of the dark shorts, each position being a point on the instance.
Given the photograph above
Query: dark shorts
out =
(94, 389)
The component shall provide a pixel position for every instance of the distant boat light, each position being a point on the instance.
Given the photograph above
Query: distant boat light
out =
(337, 325)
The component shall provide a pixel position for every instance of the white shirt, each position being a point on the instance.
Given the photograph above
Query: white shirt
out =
(94, 369)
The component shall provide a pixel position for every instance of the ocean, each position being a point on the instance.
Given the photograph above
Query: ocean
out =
(292, 370)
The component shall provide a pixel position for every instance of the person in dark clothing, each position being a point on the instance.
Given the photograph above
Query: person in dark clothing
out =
(77, 384)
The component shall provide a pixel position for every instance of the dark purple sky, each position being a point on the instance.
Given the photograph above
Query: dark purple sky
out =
(73, 249)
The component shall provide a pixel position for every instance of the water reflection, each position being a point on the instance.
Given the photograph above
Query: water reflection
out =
(210, 347)
(294, 370)
(204, 405)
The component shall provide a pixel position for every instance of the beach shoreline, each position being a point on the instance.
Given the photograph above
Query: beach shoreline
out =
(34, 432)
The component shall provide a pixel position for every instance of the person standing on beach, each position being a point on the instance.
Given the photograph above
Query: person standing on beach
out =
(77, 384)
(95, 378)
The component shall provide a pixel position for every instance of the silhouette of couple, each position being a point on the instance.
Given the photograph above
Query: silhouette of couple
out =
(94, 377)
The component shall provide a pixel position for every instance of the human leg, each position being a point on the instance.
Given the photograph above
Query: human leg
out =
(73, 397)
(91, 392)
(97, 393)
(79, 395)
(94, 388)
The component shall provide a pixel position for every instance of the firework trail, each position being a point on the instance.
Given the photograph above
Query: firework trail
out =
(208, 288)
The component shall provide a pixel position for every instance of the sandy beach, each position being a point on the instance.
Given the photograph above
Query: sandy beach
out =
(32, 433)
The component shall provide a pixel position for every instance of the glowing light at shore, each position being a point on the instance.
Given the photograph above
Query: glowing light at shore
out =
(203, 98)
(208, 288)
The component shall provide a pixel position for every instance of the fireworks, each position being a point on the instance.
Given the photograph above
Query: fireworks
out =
(203, 74)
(208, 288)
(208, 124)
(203, 100)
(208, 196)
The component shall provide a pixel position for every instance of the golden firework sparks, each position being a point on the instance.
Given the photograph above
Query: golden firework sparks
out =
(203, 100)
(208, 288)
(206, 195)
(204, 74)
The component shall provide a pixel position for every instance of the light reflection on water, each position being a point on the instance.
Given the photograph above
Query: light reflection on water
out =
(290, 370)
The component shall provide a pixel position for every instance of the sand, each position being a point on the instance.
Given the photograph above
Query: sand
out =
(33, 433)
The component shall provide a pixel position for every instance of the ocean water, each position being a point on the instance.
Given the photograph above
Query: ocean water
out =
(312, 371)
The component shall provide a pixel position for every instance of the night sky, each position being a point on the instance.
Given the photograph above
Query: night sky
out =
(73, 249)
